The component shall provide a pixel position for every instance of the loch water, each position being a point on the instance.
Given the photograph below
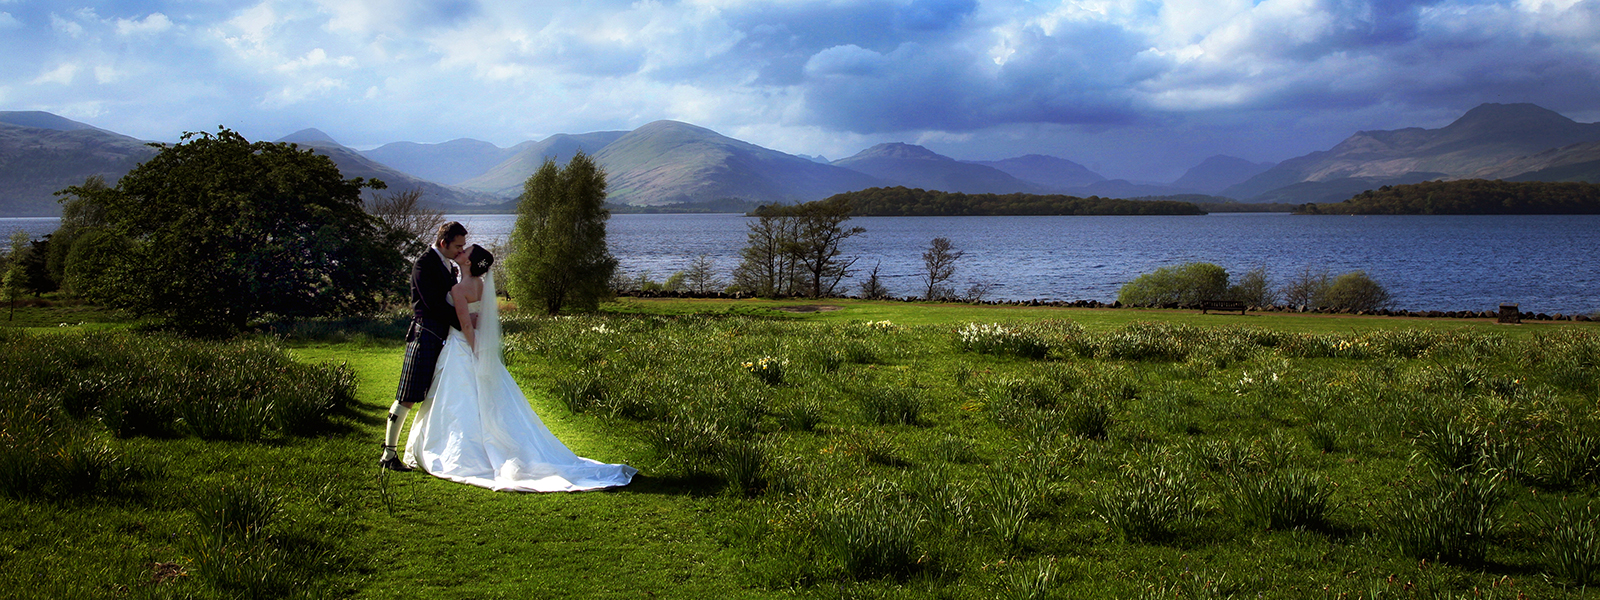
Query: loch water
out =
(1544, 263)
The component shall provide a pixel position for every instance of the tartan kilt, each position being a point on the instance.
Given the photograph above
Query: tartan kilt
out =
(422, 354)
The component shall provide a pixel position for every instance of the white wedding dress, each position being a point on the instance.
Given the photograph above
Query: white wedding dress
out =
(476, 426)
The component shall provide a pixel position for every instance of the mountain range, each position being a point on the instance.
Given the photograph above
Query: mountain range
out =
(669, 162)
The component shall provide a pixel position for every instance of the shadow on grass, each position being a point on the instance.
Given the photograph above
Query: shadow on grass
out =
(697, 486)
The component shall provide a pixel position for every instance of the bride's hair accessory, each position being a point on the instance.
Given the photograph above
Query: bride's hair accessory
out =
(481, 260)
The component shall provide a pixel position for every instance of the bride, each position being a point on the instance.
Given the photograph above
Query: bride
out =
(476, 426)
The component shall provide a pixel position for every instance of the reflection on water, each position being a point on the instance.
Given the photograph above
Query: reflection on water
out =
(1544, 263)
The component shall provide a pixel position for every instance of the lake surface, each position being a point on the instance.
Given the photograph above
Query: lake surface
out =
(1544, 263)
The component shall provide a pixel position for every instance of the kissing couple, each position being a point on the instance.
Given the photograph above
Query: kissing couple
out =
(474, 425)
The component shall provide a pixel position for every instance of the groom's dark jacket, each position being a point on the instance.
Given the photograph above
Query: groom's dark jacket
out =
(430, 285)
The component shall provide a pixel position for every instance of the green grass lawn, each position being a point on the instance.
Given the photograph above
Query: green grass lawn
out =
(1072, 453)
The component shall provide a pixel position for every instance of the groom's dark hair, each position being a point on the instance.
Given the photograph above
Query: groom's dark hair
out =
(448, 232)
(481, 260)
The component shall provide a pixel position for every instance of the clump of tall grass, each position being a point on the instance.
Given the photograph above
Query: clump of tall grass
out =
(1566, 460)
(1153, 504)
(1150, 341)
(744, 468)
(1451, 516)
(1009, 499)
(233, 545)
(582, 391)
(874, 447)
(874, 532)
(1291, 499)
(883, 405)
(954, 449)
(44, 454)
(1030, 580)
(1572, 550)
(767, 369)
(1570, 359)
(160, 385)
(1001, 340)
(691, 443)
(801, 414)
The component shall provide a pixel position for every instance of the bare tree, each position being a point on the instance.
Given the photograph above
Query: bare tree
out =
(767, 268)
(872, 288)
(403, 213)
(701, 277)
(939, 265)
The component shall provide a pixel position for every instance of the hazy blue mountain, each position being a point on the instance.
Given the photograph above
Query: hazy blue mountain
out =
(1047, 172)
(507, 176)
(918, 167)
(41, 153)
(352, 164)
(1483, 138)
(668, 162)
(38, 119)
(449, 163)
(1216, 173)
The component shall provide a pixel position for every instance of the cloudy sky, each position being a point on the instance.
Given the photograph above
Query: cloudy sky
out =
(1134, 89)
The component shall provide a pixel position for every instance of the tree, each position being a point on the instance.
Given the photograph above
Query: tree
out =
(818, 233)
(1186, 284)
(411, 225)
(35, 268)
(558, 246)
(79, 213)
(766, 267)
(1309, 289)
(1355, 291)
(701, 277)
(11, 280)
(1254, 288)
(872, 288)
(939, 265)
(219, 231)
(795, 249)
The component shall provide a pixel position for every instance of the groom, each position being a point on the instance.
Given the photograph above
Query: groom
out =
(432, 276)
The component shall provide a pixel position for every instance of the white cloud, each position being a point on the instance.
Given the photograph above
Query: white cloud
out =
(317, 57)
(71, 28)
(9, 22)
(62, 75)
(152, 24)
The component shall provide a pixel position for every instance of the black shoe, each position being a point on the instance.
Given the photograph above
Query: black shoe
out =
(394, 464)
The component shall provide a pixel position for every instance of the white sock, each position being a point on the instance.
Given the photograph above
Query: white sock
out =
(391, 432)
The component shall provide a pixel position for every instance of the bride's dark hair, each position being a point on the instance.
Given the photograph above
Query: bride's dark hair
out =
(481, 260)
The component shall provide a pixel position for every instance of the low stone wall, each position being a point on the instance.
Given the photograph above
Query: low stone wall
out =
(1428, 314)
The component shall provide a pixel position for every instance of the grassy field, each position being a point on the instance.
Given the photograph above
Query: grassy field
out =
(1065, 453)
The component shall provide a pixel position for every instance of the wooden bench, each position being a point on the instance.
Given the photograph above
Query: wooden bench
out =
(1222, 305)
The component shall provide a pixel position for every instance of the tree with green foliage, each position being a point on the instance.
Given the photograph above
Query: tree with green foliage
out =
(818, 234)
(1469, 197)
(559, 257)
(1355, 291)
(766, 267)
(79, 213)
(1185, 285)
(1307, 289)
(219, 231)
(11, 281)
(1254, 288)
(939, 265)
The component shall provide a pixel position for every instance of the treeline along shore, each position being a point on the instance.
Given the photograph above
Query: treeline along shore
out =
(635, 292)
(1468, 197)
(913, 202)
